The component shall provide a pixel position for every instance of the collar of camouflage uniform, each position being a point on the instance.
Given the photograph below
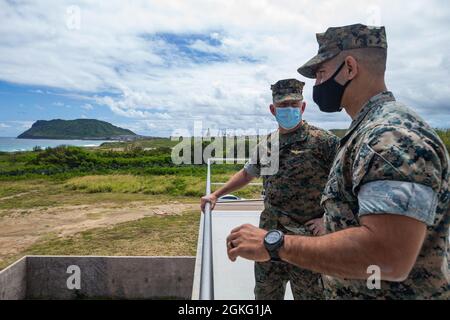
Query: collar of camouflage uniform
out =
(368, 107)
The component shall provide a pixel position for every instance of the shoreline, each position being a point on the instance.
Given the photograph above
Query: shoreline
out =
(12, 144)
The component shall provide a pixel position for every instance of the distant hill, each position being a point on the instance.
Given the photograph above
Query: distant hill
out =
(83, 129)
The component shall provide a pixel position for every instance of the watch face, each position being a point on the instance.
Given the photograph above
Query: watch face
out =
(272, 237)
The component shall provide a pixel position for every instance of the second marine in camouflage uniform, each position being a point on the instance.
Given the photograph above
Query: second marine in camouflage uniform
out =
(292, 197)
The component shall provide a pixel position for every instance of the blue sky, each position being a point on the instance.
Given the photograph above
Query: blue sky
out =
(158, 66)
(21, 105)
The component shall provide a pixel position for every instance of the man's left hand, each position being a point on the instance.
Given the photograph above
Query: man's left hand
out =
(247, 241)
(316, 226)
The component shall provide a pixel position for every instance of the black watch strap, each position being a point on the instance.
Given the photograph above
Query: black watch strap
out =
(273, 248)
(274, 256)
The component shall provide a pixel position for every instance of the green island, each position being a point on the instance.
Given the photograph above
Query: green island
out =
(83, 129)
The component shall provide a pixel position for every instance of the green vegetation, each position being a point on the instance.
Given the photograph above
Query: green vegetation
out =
(41, 194)
(445, 136)
(143, 166)
(75, 161)
(74, 129)
(141, 144)
(134, 171)
(189, 186)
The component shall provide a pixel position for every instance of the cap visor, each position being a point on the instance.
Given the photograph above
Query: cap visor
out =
(309, 69)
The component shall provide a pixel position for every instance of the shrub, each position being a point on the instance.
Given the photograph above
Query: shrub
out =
(65, 156)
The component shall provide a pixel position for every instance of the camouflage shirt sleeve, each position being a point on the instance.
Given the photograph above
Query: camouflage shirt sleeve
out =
(397, 171)
(253, 167)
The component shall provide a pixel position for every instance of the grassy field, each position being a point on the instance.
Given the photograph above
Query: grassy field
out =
(189, 186)
(119, 189)
(145, 143)
(158, 235)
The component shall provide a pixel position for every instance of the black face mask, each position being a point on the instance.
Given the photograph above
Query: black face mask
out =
(328, 94)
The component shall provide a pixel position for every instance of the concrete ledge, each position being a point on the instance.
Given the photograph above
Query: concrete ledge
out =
(13, 281)
(47, 277)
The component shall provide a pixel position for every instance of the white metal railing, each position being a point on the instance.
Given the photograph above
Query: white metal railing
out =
(206, 290)
(206, 275)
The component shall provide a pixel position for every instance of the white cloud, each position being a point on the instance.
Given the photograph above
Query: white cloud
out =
(24, 124)
(16, 124)
(121, 56)
(87, 106)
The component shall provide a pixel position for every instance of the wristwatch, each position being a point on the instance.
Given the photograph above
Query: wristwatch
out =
(273, 241)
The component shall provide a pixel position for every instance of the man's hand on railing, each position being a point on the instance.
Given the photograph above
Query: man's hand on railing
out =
(211, 198)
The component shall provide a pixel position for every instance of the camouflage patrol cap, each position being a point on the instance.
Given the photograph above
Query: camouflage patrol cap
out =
(337, 39)
(287, 89)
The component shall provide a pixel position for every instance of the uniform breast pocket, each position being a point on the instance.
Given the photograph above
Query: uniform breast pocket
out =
(299, 162)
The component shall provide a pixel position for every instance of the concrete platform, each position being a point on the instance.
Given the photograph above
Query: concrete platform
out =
(232, 280)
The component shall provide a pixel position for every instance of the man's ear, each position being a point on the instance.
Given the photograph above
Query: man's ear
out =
(272, 109)
(303, 106)
(351, 67)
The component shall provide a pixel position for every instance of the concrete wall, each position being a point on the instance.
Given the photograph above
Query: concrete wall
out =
(13, 281)
(101, 278)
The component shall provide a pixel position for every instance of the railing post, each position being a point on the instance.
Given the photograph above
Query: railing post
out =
(206, 276)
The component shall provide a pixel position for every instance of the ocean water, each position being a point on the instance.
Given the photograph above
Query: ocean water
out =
(14, 144)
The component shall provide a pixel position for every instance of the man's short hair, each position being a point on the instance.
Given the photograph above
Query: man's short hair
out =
(373, 59)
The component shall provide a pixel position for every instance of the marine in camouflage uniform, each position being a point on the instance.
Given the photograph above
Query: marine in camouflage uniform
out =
(292, 196)
(389, 162)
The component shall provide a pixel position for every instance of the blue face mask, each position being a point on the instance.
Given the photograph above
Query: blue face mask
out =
(288, 117)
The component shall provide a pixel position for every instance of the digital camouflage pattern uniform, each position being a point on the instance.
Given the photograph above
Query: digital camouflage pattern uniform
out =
(292, 197)
(390, 162)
